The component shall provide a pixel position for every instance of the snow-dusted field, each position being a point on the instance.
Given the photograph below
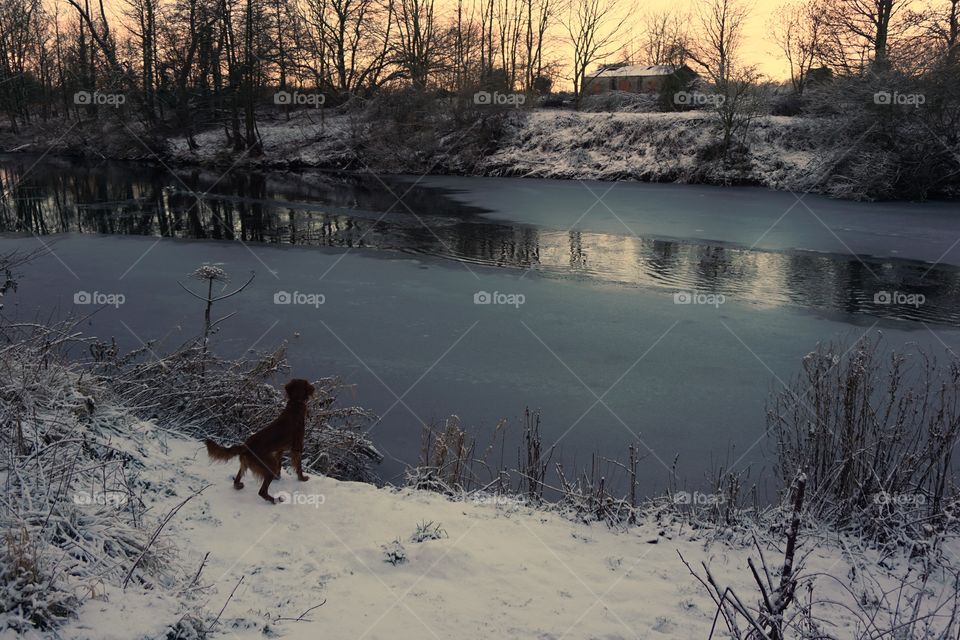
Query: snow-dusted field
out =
(502, 570)
(549, 143)
(135, 535)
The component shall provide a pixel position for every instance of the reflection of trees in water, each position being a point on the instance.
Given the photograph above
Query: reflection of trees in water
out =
(662, 258)
(578, 257)
(361, 212)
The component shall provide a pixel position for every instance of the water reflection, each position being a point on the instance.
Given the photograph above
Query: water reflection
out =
(356, 211)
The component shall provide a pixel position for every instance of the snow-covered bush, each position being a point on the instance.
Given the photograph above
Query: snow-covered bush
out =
(73, 522)
(887, 136)
(622, 101)
(875, 430)
(427, 531)
(229, 400)
(394, 553)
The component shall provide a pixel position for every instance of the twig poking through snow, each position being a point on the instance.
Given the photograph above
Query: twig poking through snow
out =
(166, 519)
(301, 618)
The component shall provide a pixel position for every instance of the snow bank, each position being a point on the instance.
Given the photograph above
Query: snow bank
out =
(657, 147)
(350, 560)
(499, 569)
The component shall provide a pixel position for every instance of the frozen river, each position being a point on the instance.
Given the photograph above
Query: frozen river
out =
(663, 313)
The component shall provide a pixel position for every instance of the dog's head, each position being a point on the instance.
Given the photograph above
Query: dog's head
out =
(299, 389)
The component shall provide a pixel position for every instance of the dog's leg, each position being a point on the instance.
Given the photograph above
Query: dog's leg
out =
(236, 480)
(296, 456)
(264, 490)
(277, 462)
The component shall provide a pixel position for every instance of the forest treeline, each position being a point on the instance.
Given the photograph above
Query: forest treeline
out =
(881, 75)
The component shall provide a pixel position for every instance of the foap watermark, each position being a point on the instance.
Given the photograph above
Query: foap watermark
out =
(497, 297)
(298, 99)
(101, 498)
(87, 98)
(99, 298)
(698, 498)
(900, 499)
(299, 499)
(698, 297)
(697, 99)
(899, 298)
(486, 98)
(897, 98)
(499, 500)
(296, 297)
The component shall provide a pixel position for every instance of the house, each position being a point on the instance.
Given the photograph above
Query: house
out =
(637, 78)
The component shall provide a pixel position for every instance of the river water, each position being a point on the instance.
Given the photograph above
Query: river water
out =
(660, 313)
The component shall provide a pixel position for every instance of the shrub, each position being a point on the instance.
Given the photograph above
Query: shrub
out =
(427, 531)
(875, 431)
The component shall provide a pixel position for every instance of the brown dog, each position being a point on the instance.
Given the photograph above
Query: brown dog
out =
(261, 452)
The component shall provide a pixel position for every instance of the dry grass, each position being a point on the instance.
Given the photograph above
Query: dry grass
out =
(875, 431)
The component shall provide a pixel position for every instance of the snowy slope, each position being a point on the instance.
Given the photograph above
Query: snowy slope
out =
(502, 571)
(549, 143)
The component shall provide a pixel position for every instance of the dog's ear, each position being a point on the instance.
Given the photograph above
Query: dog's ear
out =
(299, 389)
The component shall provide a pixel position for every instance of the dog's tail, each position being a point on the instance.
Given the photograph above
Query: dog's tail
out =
(222, 454)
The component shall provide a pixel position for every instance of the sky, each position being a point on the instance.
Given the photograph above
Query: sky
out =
(758, 47)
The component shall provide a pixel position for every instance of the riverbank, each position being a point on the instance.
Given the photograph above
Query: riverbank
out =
(783, 153)
(165, 547)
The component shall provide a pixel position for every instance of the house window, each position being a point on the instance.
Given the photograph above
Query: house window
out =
(613, 84)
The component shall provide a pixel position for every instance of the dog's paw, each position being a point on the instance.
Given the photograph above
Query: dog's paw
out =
(303, 478)
(238, 485)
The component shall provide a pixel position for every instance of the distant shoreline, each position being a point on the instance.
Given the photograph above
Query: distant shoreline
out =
(783, 153)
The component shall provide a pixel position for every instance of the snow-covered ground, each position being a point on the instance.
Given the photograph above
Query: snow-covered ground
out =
(500, 569)
(308, 138)
(667, 147)
(225, 563)
(781, 152)
(548, 143)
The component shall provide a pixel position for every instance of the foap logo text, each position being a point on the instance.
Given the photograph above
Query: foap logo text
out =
(299, 298)
(497, 99)
(299, 499)
(900, 99)
(698, 498)
(499, 298)
(88, 98)
(100, 498)
(699, 298)
(298, 99)
(697, 99)
(99, 298)
(899, 298)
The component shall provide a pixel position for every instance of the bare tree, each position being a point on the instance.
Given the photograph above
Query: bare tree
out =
(540, 16)
(738, 103)
(860, 33)
(715, 47)
(593, 28)
(143, 16)
(22, 25)
(664, 39)
(350, 37)
(416, 47)
(940, 26)
(798, 30)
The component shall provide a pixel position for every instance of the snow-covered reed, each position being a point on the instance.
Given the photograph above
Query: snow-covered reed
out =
(72, 518)
(229, 400)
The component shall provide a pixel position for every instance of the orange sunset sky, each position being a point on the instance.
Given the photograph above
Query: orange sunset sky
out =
(758, 46)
